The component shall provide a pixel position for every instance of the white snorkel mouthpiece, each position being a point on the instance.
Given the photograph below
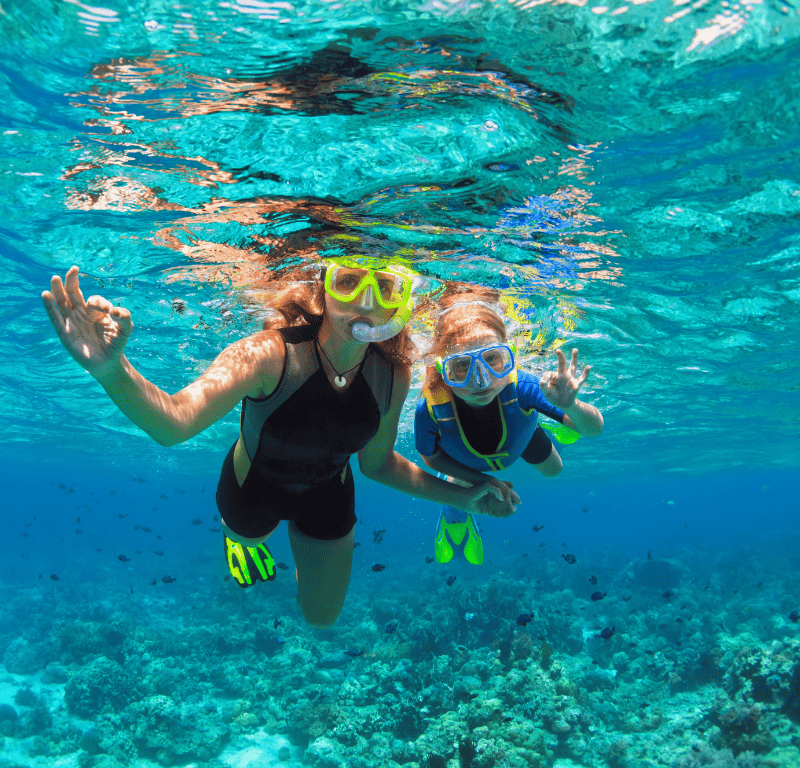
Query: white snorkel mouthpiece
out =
(395, 324)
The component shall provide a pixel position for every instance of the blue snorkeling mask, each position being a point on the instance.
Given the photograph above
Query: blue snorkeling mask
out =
(478, 368)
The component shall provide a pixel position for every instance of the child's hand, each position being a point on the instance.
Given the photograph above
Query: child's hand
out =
(506, 488)
(561, 387)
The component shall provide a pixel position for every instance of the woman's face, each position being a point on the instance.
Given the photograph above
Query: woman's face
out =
(470, 394)
(343, 314)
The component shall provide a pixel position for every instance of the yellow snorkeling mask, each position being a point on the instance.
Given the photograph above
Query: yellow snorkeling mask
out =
(389, 284)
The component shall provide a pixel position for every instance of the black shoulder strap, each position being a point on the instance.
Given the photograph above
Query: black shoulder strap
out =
(379, 373)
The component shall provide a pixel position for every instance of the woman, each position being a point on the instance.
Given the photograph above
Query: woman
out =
(314, 391)
(478, 413)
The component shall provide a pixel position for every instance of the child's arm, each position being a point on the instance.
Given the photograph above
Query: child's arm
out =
(561, 389)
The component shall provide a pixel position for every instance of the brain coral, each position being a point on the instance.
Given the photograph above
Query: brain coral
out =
(101, 683)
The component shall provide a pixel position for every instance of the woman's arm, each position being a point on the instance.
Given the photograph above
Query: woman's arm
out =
(95, 332)
(379, 461)
(245, 367)
(447, 465)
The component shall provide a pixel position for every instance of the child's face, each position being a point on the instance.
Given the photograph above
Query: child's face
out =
(477, 398)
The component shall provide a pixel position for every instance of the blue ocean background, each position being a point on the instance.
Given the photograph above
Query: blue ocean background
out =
(626, 173)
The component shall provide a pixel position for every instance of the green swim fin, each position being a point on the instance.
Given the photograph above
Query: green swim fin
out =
(249, 564)
(450, 535)
(564, 435)
(473, 546)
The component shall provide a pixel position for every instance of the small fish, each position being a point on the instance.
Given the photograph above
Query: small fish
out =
(537, 528)
(585, 509)
(668, 594)
(159, 552)
(794, 617)
(377, 535)
(197, 521)
(451, 580)
(428, 559)
(153, 582)
(593, 580)
(78, 520)
(54, 577)
(524, 619)
(279, 640)
(146, 529)
(277, 623)
(471, 696)
(215, 530)
(283, 566)
(607, 633)
(123, 559)
(354, 653)
(507, 719)
(377, 567)
(649, 554)
(391, 627)
(598, 596)
(571, 559)
(121, 516)
(168, 579)
(79, 530)
(679, 620)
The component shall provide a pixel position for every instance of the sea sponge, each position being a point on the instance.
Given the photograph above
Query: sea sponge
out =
(177, 733)
(100, 684)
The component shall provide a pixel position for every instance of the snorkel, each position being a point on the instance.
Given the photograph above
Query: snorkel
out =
(395, 324)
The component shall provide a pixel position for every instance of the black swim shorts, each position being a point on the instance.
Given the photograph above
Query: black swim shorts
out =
(254, 510)
(539, 447)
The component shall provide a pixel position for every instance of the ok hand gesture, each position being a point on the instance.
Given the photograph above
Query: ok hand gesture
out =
(561, 387)
(94, 332)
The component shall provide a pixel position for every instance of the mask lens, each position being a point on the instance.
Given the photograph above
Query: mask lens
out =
(457, 368)
(498, 359)
(345, 283)
(393, 290)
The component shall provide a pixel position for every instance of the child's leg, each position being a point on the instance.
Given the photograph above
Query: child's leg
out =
(541, 452)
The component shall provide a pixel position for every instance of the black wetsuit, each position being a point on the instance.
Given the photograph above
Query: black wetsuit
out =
(299, 440)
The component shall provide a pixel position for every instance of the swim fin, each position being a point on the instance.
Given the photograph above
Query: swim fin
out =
(249, 564)
(451, 535)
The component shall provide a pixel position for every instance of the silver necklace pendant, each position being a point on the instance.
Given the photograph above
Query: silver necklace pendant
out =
(340, 381)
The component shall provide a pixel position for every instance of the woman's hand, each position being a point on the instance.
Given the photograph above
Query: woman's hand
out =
(561, 387)
(94, 332)
(488, 499)
(506, 488)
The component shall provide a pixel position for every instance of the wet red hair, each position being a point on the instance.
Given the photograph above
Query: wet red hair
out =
(462, 323)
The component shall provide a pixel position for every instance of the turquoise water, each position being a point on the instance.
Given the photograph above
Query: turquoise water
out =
(628, 173)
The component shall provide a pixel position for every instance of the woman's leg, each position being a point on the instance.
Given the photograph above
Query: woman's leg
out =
(323, 574)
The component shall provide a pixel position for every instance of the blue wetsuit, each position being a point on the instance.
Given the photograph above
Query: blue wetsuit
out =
(513, 414)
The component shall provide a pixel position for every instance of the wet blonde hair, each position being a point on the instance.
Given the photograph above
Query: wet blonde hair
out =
(303, 303)
(461, 323)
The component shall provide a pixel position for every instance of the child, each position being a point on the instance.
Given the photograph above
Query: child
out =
(478, 413)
